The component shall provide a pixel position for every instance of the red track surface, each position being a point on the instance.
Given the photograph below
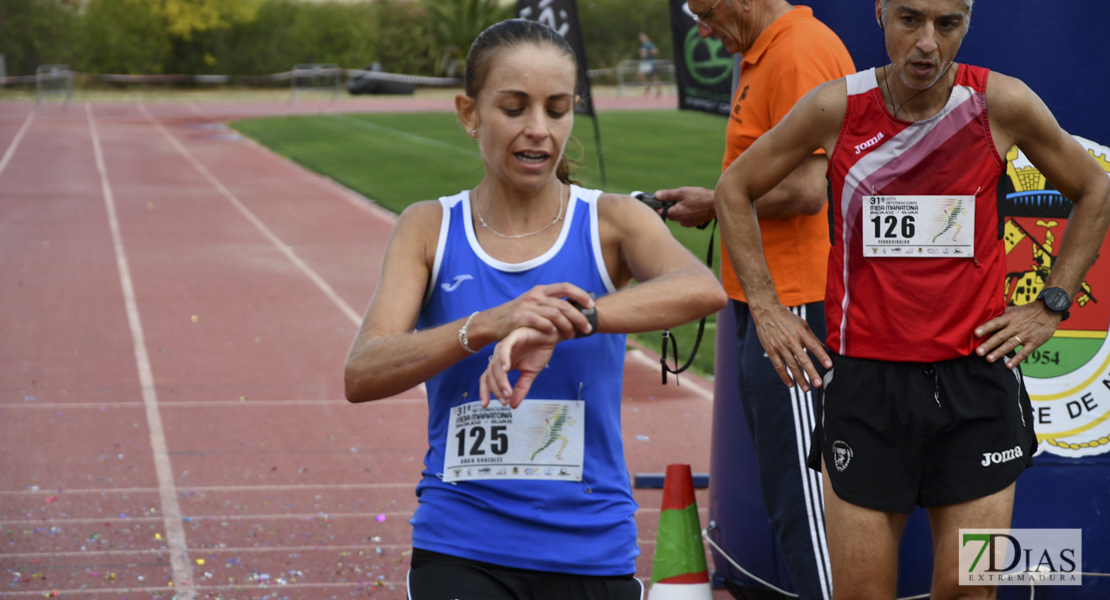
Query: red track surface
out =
(177, 304)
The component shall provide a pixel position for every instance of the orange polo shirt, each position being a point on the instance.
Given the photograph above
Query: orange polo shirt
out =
(791, 57)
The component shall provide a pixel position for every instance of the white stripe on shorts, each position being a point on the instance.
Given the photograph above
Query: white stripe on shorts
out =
(804, 420)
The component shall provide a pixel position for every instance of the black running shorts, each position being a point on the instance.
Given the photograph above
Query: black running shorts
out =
(436, 576)
(899, 434)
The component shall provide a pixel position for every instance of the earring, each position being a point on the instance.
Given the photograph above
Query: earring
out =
(473, 132)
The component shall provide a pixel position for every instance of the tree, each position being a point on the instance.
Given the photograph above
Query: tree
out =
(455, 25)
(187, 17)
(193, 27)
(262, 46)
(333, 32)
(611, 29)
(404, 41)
(36, 32)
(123, 36)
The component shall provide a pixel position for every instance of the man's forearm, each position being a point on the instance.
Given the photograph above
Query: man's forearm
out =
(803, 192)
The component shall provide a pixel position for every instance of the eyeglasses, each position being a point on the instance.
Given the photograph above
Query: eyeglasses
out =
(701, 18)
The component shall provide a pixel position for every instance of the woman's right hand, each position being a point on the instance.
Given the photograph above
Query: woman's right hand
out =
(526, 350)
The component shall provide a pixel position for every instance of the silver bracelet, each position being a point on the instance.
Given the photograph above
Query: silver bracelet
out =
(463, 340)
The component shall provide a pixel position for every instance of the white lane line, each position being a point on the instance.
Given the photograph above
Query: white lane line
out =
(374, 209)
(352, 196)
(202, 404)
(471, 152)
(365, 203)
(333, 487)
(171, 511)
(15, 142)
(235, 590)
(350, 313)
(211, 551)
(304, 517)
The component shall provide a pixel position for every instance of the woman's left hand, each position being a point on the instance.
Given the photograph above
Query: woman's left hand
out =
(526, 350)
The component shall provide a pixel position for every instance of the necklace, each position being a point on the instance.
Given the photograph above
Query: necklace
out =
(899, 108)
(558, 217)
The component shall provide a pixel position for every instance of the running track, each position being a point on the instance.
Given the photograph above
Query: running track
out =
(175, 309)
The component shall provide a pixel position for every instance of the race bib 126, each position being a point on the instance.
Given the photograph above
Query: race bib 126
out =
(919, 226)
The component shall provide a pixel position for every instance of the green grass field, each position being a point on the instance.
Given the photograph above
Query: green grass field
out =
(396, 159)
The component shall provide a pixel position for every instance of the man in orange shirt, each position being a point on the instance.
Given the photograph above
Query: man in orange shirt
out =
(785, 53)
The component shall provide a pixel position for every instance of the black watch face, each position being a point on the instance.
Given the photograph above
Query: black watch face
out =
(1056, 299)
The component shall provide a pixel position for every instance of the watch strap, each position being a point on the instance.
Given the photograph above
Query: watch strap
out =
(591, 316)
(1064, 312)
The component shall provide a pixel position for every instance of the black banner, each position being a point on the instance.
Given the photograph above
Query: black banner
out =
(562, 16)
(703, 67)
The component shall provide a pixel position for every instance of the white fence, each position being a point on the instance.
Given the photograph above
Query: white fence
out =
(629, 74)
(315, 77)
(53, 80)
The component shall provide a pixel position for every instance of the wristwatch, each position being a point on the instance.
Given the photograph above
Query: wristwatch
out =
(590, 314)
(1057, 300)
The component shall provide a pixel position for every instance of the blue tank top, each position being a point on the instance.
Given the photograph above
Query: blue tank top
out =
(583, 527)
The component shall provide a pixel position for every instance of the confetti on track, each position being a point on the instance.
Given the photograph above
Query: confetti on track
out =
(178, 303)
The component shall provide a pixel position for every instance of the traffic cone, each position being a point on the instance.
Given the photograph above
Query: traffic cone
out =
(679, 571)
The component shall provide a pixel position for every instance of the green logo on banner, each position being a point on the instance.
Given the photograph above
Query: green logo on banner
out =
(707, 60)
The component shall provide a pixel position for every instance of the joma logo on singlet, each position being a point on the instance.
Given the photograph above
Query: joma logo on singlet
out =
(450, 287)
(997, 458)
(871, 142)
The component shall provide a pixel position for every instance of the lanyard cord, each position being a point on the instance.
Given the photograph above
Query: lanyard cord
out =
(664, 367)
